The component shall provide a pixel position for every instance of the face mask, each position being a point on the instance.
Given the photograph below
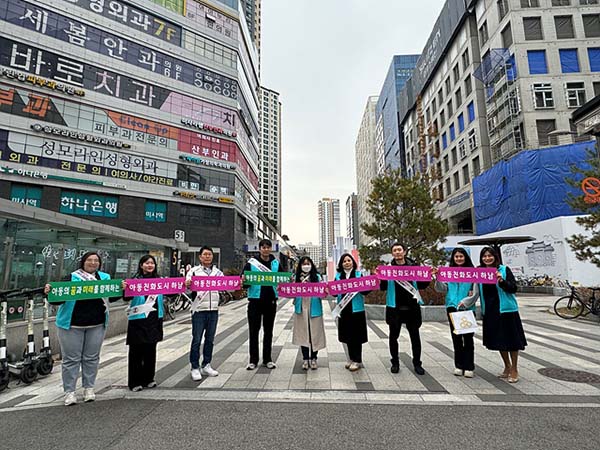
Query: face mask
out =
(306, 268)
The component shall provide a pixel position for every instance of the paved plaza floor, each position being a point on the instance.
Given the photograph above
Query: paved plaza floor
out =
(554, 343)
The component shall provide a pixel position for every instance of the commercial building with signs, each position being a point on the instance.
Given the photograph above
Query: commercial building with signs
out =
(270, 157)
(126, 126)
(368, 152)
(329, 225)
(495, 78)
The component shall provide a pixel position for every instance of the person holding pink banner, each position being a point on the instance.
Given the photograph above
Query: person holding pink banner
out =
(144, 330)
(205, 315)
(352, 324)
(81, 326)
(502, 327)
(309, 329)
(403, 307)
(464, 349)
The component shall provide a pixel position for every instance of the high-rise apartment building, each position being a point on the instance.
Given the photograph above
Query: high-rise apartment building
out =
(311, 250)
(329, 225)
(135, 119)
(366, 158)
(270, 156)
(496, 78)
(352, 218)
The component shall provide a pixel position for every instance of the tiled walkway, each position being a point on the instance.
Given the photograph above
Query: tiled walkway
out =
(553, 342)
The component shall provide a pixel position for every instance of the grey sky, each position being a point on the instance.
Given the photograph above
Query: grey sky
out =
(325, 57)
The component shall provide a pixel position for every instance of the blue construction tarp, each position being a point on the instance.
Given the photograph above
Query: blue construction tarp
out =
(528, 188)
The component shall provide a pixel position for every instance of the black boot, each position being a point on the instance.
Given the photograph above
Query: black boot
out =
(419, 370)
(395, 366)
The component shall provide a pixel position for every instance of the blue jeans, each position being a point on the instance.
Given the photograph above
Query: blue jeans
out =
(203, 323)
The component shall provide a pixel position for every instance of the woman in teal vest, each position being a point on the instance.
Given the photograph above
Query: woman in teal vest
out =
(352, 324)
(144, 330)
(502, 327)
(309, 329)
(464, 350)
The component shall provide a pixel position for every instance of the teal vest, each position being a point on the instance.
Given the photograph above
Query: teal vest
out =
(65, 311)
(508, 302)
(358, 302)
(140, 300)
(456, 292)
(316, 307)
(390, 295)
(254, 291)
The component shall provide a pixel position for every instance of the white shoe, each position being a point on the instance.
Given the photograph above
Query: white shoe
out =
(251, 366)
(469, 374)
(70, 398)
(305, 364)
(209, 371)
(354, 367)
(270, 365)
(88, 395)
(196, 374)
(458, 372)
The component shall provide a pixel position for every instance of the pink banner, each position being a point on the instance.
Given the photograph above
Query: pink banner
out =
(149, 286)
(353, 285)
(468, 275)
(216, 283)
(302, 290)
(404, 273)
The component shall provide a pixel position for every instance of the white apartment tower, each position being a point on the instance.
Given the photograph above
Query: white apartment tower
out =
(329, 225)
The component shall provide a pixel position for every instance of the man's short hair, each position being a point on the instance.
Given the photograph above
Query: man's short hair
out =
(265, 243)
(206, 247)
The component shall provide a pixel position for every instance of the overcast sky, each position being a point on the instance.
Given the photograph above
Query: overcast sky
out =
(325, 57)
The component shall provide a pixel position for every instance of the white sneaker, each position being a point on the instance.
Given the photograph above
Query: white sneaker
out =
(458, 372)
(70, 398)
(251, 366)
(305, 364)
(270, 365)
(469, 374)
(88, 395)
(196, 375)
(209, 371)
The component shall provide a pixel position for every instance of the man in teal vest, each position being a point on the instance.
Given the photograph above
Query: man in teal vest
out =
(262, 306)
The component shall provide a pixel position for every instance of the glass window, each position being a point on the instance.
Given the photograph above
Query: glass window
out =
(471, 110)
(542, 96)
(507, 39)
(564, 27)
(456, 181)
(26, 195)
(444, 141)
(561, 2)
(483, 33)
(452, 133)
(466, 176)
(537, 62)
(155, 211)
(533, 28)
(569, 60)
(544, 128)
(454, 157)
(456, 72)
(591, 25)
(458, 96)
(468, 85)
(461, 123)
(466, 60)
(503, 8)
(472, 140)
(530, 3)
(476, 166)
(594, 57)
(575, 93)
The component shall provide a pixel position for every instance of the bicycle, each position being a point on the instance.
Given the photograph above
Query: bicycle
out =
(225, 297)
(169, 304)
(573, 305)
(182, 301)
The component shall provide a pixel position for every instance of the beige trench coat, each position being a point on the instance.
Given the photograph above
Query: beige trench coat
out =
(301, 334)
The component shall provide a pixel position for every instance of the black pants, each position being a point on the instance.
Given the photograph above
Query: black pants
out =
(464, 350)
(355, 352)
(415, 341)
(142, 364)
(307, 354)
(261, 311)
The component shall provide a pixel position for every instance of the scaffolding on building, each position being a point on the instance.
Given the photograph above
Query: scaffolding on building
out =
(498, 73)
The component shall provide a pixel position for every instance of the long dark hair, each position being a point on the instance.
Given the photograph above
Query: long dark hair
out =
(313, 274)
(468, 261)
(140, 270)
(340, 268)
(86, 256)
(494, 254)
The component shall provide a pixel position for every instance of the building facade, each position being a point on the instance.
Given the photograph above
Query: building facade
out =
(270, 156)
(352, 218)
(311, 250)
(496, 77)
(329, 225)
(133, 116)
(399, 72)
(367, 160)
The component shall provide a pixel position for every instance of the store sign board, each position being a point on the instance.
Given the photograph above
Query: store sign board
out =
(84, 204)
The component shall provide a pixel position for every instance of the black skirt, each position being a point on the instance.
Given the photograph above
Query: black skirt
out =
(145, 331)
(352, 326)
(501, 332)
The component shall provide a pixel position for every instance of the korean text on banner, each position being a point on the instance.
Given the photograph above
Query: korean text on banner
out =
(150, 286)
(266, 278)
(484, 275)
(302, 290)
(66, 291)
(404, 273)
(353, 285)
(202, 284)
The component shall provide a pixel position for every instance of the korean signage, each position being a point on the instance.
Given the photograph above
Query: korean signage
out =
(73, 134)
(405, 273)
(84, 290)
(266, 278)
(353, 285)
(12, 74)
(126, 14)
(68, 30)
(212, 19)
(206, 162)
(177, 6)
(43, 152)
(83, 204)
(26, 195)
(303, 290)
(482, 275)
(194, 196)
(216, 283)
(206, 127)
(149, 286)
(155, 211)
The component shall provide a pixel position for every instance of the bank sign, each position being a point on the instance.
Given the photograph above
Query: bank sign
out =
(82, 204)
